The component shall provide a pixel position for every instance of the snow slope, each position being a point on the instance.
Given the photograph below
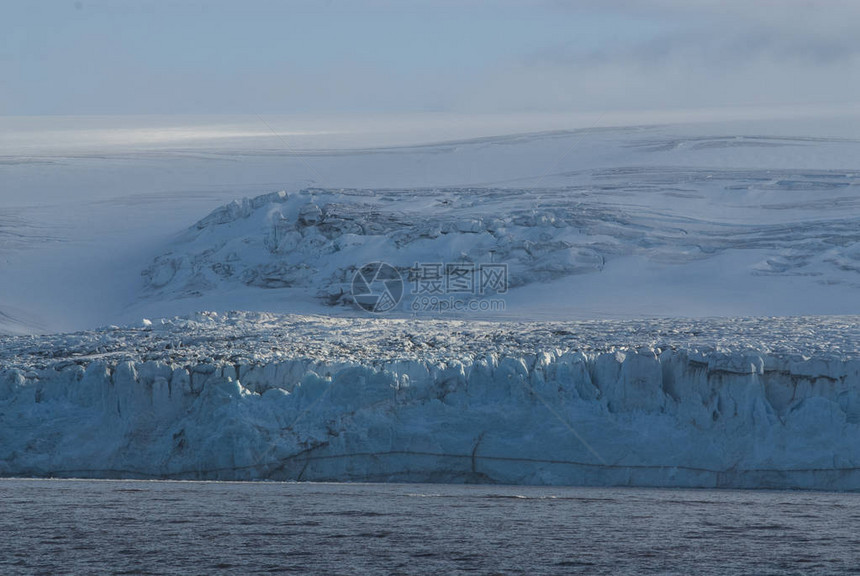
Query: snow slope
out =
(766, 223)
(596, 220)
(730, 403)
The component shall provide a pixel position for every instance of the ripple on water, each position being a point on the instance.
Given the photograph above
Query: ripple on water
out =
(182, 528)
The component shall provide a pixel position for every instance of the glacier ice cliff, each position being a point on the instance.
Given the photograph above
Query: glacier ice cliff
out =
(758, 403)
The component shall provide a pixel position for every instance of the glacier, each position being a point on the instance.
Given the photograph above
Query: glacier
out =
(593, 373)
(743, 402)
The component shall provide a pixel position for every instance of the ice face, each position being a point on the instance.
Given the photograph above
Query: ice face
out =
(248, 396)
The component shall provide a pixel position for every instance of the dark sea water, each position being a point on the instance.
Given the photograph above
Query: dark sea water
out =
(119, 527)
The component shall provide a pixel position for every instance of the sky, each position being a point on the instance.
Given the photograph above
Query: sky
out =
(85, 57)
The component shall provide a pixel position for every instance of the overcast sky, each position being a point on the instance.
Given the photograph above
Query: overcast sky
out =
(348, 56)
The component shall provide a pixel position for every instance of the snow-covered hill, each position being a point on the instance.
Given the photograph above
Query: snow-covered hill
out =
(736, 402)
(742, 218)
(786, 223)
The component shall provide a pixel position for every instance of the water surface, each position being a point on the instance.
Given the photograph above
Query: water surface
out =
(134, 527)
